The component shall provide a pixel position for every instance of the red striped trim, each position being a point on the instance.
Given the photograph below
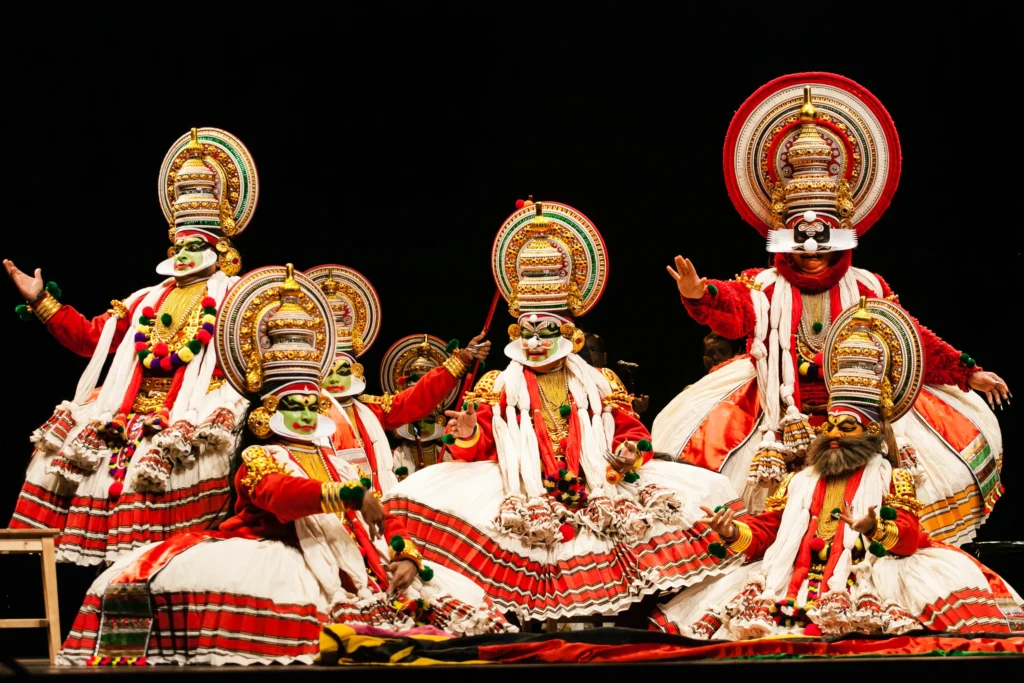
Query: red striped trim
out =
(968, 610)
(33, 511)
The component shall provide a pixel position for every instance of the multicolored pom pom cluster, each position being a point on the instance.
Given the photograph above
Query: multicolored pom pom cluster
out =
(156, 355)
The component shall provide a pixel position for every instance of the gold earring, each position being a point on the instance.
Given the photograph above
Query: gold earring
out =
(259, 422)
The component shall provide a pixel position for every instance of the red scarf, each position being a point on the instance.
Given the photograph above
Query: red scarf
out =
(547, 449)
(814, 283)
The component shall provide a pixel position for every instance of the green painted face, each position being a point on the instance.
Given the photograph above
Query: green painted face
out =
(540, 340)
(300, 413)
(189, 254)
(426, 427)
(340, 379)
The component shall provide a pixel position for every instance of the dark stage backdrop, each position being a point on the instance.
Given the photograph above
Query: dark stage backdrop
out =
(402, 160)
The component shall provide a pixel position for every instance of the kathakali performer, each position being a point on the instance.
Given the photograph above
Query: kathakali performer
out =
(148, 455)
(553, 503)
(839, 548)
(409, 360)
(309, 543)
(363, 419)
(812, 161)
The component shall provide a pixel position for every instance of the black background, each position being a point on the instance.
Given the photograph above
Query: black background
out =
(397, 144)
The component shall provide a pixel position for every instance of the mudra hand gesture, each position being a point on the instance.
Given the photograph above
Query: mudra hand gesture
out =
(30, 287)
(462, 422)
(400, 575)
(865, 525)
(478, 349)
(624, 458)
(721, 522)
(988, 383)
(373, 514)
(690, 285)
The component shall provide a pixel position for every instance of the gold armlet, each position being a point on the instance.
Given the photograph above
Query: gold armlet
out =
(454, 365)
(743, 539)
(886, 533)
(258, 464)
(45, 308)
(336, 497)
(407, 551)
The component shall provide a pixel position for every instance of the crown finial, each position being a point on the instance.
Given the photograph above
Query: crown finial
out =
(290, 285)
(193, 146)
(808, 113)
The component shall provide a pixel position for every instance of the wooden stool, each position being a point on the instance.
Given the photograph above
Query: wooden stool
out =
(37, 541)
(551, 625)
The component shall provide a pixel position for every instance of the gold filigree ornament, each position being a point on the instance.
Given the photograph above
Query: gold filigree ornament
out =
(259, 422)
(514, 331)
(228, 259)
(357, 370)
(567, 330)
(579, 340)
(325, 405)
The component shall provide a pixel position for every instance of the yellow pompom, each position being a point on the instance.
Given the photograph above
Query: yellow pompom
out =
(186, 355)
(210, 319)
(144, 329)
(148, 361)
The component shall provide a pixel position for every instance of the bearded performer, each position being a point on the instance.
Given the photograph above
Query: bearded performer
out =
(408, 361)
(839, 548)
(147, 456)
(553, 504)
(812, 161)
(307, 545)
(362, 419)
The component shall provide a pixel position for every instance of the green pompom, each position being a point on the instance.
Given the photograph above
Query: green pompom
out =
(166, 319)
(562, 472)
(877, 550)
(448, 439)
(564, 410)
(631, 477)
(54, 290)
(401, 471)
(836, 512)
(426, 574)
(791, 603)
(721, 507)
(483, 365)
(23, 311)
(717, 550)
(452, 347)
(817, 326)
(195, 346)
(397, 543)
(143, 320)
(143, 353)
(964, 357)
(971, 362)
(210, 310)
(888, 512)
(712, 290)
(476, 406)
(644, 446)
(465, 405)
(367, 484)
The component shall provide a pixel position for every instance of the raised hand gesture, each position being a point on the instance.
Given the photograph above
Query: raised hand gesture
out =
(30, 287)
(721, 522)
(478, 349)
(865, 525)
(690, 285)
(462, 422)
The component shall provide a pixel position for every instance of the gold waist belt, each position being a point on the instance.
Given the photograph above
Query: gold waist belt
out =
(153, 393)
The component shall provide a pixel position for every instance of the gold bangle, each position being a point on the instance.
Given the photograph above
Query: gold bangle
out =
(408, 552)
(743, 539)
(886, 533)
(45, 308)
(454, 365)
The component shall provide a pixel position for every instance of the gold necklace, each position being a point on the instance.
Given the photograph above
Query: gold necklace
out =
(835, 491)
(181, 303)
(816, 308)
(311, 460)
(556, 381)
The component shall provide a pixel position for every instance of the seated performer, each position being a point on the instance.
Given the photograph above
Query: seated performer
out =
(308, 545)
(718, 350)
(839, 547)
(363, 420)
(408, 361)
(812, 161)
(148, 455)
(554, 505)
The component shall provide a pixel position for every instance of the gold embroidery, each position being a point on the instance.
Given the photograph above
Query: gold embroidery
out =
(905, 496)
(619, 397)
(258, 464)
(383, 401)
(408, 552)
(484, 392)
(777, 501)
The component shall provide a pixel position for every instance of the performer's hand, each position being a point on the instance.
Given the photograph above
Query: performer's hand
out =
(625, 457)
(478, 349)
(992, 386)
(721, 522)
(690, 285)
(29, 287)
(640, 404)
(462, 422)
(865, 525)
(400, 575)
(373, 515)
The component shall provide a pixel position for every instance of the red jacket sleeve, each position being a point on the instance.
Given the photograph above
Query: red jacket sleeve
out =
(419, 400)
(80, 334)
(908, 525)
(480, 446)
(393, 526)
(629, 428)
(764, 528)
(942, 362)
(728, 312)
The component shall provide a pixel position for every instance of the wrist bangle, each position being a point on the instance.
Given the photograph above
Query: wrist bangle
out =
(45, 307)
(455, 366)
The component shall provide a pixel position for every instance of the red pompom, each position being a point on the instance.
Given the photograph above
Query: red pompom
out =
(115, 490)
(568, 533)
(217, 372)
(817, 544)
(160, 349)
(564, 445)
(208, 302)
(520, 203)
(149, 312)
(812, 630)
(819, 359)
(165, 363)
(141, 346)
(203, 336)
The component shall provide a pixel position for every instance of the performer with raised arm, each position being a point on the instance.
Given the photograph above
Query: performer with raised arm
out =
(148, 455)
(553, 504)
(307, 545)
(812, 161)
(839, 548)
(363, 419)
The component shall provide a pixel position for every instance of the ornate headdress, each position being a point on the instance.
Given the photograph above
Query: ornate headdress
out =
(208, 188)
(356, 311)
(550, 264)
(406, 362)
(275, 336)
(873, 363)
(811, 160)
